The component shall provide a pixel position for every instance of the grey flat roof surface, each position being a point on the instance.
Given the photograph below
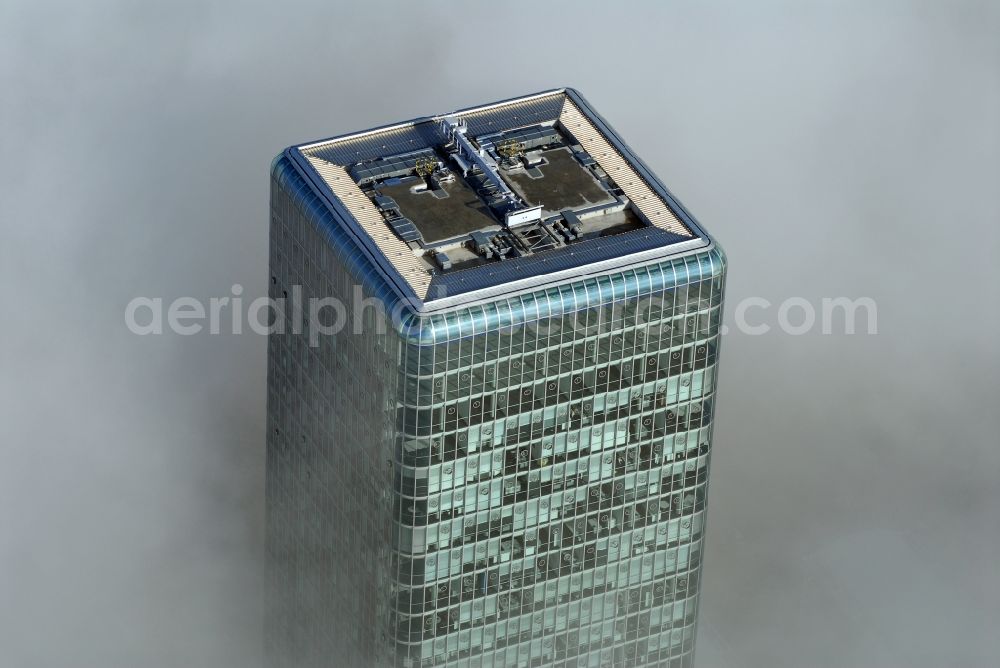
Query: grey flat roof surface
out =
(599, 171)
(438, 218)
(564, 183)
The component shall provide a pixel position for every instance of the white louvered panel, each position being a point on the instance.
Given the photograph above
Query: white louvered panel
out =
(612, 162)
(395, 249)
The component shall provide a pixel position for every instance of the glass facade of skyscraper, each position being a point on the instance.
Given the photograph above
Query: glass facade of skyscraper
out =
(517, 481)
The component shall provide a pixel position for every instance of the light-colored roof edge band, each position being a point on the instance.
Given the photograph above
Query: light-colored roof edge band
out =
(619, 169)
(371, 221)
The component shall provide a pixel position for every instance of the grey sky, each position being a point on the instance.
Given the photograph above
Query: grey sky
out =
(835, 148)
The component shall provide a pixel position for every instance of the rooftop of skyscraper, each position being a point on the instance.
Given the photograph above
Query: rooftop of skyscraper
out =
(513, 194)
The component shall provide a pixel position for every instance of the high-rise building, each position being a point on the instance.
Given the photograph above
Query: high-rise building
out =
(490, 396)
